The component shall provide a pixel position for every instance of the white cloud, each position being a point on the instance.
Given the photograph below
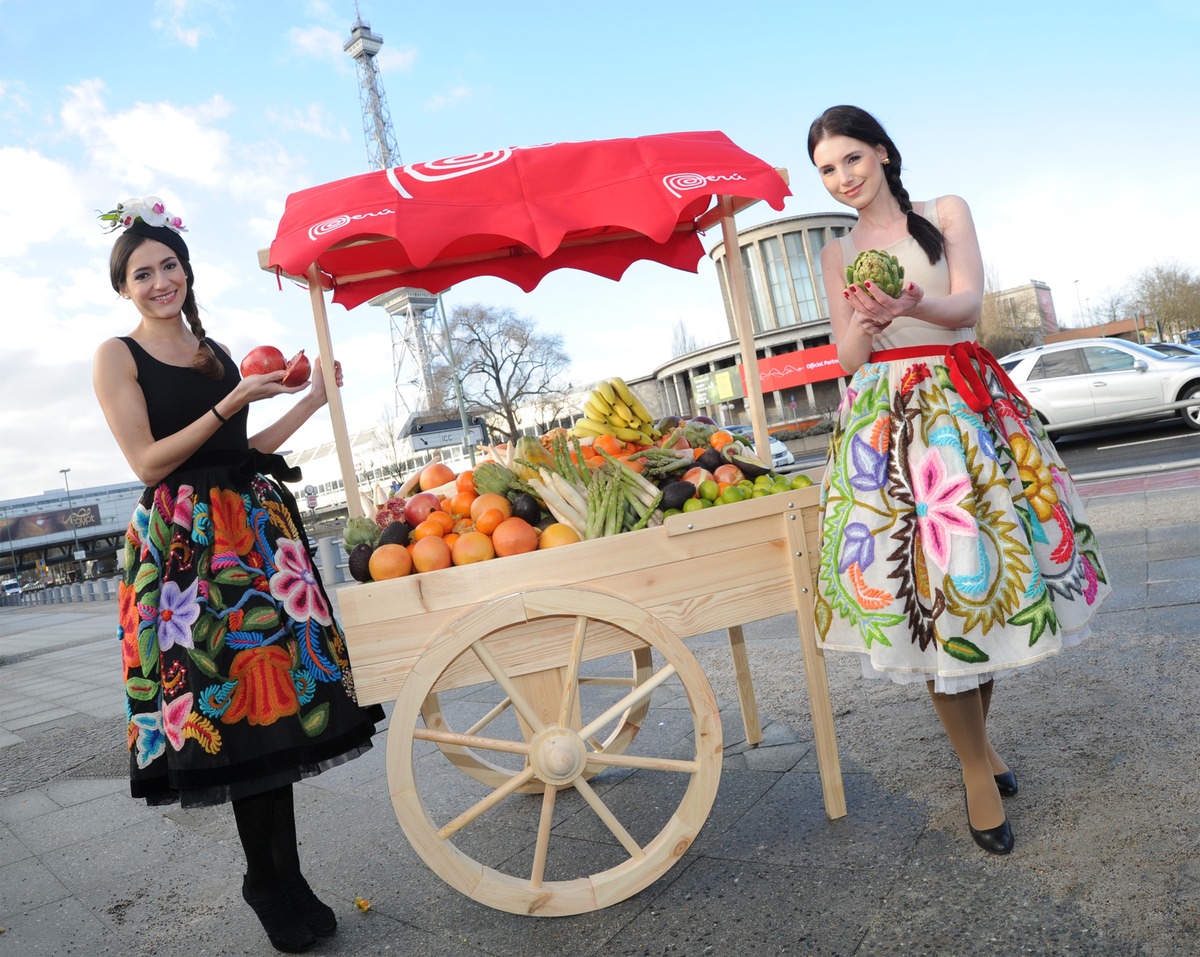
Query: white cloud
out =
(47, 188)
(440, 101)
(319, 43)
(394, 60)
(314, 119)
(171, 22)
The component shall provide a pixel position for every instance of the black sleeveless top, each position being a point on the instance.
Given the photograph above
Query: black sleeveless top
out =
(176, 396)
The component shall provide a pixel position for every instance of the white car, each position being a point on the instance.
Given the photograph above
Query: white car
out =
(1084, 378)
(781, 455)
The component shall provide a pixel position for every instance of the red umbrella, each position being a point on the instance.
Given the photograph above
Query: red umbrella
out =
(518, 214)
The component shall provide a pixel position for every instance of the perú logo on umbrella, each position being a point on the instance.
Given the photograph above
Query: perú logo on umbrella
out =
(449, 168)
(684, 181)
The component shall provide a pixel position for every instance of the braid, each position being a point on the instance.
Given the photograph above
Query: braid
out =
(206, 360)
(927, 235)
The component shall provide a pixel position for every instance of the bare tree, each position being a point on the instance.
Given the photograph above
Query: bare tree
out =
(1169, 296)
(682, 341)
(1007, 323)
(505, 365)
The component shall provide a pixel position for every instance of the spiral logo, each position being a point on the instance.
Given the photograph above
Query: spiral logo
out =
(318, 230)
(455, 166)
(676, 182)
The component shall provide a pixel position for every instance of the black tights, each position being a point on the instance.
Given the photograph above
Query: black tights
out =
(266, 824)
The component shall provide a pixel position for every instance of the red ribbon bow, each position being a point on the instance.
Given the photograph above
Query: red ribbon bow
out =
(968, 364)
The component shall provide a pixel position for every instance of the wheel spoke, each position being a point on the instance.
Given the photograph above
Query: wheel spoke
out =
(571, 685)
(482, 807)
(489, 717)
(504, 681)
(471, 740)
(642, 763)
(638, 694)
(609, 819)
(543, 836)
(612, 682)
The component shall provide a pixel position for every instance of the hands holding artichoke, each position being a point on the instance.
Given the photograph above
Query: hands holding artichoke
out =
(875, 287)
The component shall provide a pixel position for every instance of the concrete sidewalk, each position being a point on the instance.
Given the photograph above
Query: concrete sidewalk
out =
(1103, 740)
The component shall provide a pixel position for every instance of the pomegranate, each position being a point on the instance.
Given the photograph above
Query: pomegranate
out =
(261, 360)
(417, 509)
(298, 370)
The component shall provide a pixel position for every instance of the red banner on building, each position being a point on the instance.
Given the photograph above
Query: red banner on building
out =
(798, 368)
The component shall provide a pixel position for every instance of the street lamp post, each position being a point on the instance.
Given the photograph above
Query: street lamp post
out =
(71, 517)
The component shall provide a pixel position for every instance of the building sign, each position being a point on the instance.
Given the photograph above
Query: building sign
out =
(441, 435)
(37, 524)
(799, 368)
(713, 388)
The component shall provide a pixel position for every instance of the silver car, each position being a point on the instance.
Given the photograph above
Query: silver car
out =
(1085, 378)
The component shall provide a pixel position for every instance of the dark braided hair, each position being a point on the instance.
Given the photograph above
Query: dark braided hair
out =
(206, 360)
(858, 124)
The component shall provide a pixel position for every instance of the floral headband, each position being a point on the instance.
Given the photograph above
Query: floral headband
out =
(149, 210)
(149, 218)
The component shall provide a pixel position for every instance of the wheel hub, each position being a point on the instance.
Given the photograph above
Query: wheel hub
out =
(558, 756)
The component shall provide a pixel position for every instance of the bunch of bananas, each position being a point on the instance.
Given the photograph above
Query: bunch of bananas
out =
(613, 409)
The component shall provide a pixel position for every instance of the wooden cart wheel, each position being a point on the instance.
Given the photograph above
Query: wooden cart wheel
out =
(638, 815)
(476, 763)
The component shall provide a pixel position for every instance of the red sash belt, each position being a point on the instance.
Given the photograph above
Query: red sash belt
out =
(967, 364)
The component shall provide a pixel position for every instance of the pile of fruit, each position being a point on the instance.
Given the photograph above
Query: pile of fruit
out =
(591, 481)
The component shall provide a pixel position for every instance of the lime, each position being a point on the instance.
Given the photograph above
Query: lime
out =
(669, 512)
(709, 490)
(759, 493)
(801, 481)
(764, 479)
(731, 494)
(694, 505)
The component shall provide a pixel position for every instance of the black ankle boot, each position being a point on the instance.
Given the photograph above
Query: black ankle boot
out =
(318, 915)
(285, 927)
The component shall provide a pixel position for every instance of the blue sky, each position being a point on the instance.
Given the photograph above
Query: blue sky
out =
(1073, 136)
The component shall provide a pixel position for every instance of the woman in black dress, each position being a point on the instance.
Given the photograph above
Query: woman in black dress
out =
(236, 675)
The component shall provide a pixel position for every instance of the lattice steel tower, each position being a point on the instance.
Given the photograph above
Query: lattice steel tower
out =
(406, 308)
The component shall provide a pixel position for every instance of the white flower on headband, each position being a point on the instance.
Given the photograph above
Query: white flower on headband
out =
(149, 210)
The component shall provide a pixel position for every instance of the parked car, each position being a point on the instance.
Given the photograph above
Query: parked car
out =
(1173, 349)
(1083, 378)
(781, 455)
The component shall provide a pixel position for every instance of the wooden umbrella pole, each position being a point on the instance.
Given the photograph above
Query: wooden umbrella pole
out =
(740, 299)
(337, 414)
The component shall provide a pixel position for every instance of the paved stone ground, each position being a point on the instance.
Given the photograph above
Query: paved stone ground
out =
(1107, 821)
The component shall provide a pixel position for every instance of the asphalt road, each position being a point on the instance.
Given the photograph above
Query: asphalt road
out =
(1142, 445)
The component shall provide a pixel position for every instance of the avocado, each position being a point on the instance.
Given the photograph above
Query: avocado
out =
(674, 494)
(710, 459)
(526, 506)
(750, 466)
(395, 533)
(360, 561)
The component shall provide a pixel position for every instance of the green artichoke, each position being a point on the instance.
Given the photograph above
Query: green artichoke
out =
(879, 268)
(359, 531)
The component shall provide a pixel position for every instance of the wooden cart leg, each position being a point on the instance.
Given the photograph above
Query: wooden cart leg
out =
(745, 685)
(815, 676)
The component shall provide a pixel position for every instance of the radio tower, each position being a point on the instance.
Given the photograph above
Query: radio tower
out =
(406, 308)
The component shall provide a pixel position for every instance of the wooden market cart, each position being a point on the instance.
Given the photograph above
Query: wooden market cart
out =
(524, 687)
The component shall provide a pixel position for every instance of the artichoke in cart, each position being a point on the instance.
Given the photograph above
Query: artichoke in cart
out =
(880, 268)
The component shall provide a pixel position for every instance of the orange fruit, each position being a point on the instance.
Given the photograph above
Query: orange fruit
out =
(390, 561)
(557, 534)
(466, 481)
(719, 439)
(610, 444)
(442, 518)
(430, 554)
(489, 520)
(461, 503)
(430, 528)
(451, 539)
(514, 536)
(472, 547)
(490, 500)
(434, 475)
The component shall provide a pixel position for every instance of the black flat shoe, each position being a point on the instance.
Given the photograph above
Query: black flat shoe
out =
(994, 840)
(285, 928)
(1006, 784)
(318, 915)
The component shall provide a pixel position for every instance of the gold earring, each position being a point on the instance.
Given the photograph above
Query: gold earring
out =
(885, 161)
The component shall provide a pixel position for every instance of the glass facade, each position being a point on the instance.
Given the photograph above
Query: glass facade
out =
(775, 265)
